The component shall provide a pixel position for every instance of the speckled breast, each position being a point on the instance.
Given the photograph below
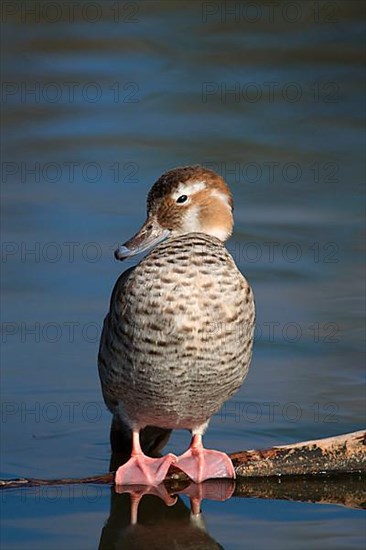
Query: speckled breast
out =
(177, 341)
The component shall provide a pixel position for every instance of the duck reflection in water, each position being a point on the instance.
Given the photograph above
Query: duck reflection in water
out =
(156, 517)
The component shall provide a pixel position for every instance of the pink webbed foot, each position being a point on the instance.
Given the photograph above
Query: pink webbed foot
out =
(141, 469)
(201, 464)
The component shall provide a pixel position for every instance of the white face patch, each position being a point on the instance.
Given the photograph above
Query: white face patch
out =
(219, 232)
(199, 219)
(222, 196)
(189, 188)
(191, 222)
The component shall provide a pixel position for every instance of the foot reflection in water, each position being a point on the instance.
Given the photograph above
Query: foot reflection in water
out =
(157, 518)
(154, 518)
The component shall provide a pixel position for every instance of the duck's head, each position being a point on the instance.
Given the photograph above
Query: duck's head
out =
(191, 199)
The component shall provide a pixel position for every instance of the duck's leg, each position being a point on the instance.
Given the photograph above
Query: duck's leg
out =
(152, 439)
(141, 469)
(201, 464)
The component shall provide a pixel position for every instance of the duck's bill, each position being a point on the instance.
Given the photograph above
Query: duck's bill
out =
(150, 234)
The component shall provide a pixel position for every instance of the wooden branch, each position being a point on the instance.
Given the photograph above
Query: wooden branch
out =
(340, 454)
(105, 479)
(325, 471)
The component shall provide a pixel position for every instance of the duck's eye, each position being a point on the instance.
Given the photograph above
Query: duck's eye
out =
(182, 199)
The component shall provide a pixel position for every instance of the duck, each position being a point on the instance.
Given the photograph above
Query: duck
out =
(177, 341)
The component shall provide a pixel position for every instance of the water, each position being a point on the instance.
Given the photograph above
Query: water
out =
(272, 100)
